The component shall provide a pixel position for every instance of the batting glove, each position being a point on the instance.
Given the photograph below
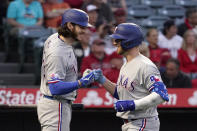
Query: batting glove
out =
(87, 79)
(86, 72)
(124, 105)
(99, 77)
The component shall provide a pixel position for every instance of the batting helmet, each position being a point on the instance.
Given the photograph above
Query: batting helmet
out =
(130, 34)
(75, 16)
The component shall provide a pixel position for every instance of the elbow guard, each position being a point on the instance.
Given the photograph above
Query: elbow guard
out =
(159, 88)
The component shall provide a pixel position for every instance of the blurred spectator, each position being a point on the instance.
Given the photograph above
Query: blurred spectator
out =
(144, 50)
(103, 32)
(116, 61)
(187, 55)
(158, 55)
(41, 1)
(119, 16)
(169, 38)
(104, 11)
(23, 13)
(82, 49)
(53, 11)
(190, 21)
(116, 4)
(173, 77)
(74, 3)
(97, 58)
(92, 12)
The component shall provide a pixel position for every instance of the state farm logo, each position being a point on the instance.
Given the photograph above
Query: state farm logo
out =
(193, 100)
(8, 97)
(92, 98)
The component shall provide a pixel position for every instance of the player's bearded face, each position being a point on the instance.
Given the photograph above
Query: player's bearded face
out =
(77, 31)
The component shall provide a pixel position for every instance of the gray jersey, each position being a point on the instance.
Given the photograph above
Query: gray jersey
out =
(58, 59)
(134, 80)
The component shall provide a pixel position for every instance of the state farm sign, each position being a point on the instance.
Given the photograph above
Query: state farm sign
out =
(94, 98)
(182, 98)
(100, 98)
(20, 96)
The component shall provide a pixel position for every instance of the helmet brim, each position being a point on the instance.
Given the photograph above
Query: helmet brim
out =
(116, 36)
(89, 25)
(85, 25)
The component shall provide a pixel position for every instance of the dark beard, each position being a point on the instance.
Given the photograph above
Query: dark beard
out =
(73, 35)
(65, 32)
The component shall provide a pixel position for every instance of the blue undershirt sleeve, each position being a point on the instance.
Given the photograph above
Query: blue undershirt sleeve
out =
(61, 87)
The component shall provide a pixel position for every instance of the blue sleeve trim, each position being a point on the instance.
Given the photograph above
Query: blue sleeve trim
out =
(61, 88)
(116, 94)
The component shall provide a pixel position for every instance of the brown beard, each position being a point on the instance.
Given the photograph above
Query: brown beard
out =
(73, 34)
(66, 32)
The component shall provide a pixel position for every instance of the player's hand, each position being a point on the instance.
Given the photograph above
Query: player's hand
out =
(86, 72)
(87, 79)
(99, 77)
(124, 105)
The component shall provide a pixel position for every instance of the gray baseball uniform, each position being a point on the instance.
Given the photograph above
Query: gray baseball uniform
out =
(58, 59)
(134, 80)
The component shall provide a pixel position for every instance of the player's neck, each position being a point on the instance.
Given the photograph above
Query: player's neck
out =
(68, 41)
(131, 54)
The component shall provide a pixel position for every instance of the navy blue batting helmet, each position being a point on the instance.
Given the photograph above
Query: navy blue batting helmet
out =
(130, 35)
(75, 16)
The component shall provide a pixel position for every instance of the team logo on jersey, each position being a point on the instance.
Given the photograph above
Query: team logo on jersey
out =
(54, 78)
(155, 78)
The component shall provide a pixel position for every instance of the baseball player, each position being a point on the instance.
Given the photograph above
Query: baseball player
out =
(139, 88)
(59, 73)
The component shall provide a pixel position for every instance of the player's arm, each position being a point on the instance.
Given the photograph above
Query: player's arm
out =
(59, 87)
(56, 73)
(158, 94)
(108, 85)
(151, 100)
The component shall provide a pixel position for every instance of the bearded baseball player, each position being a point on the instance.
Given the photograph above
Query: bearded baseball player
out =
(59, 73)
(139, 88)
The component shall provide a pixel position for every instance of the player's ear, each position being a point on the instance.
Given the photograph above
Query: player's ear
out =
(70, 26)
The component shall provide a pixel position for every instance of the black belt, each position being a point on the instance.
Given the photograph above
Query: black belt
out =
(53, 98)
(49, 97)
(128, 120)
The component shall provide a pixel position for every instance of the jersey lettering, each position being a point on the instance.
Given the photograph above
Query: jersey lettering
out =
(125, 83)
(121, 78)
(132, 86)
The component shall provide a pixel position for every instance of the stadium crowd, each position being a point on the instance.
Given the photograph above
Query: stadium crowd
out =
(173, 48)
